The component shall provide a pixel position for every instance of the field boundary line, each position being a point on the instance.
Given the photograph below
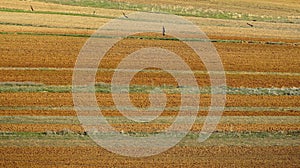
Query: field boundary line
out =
(187, 108)
(154, 38)
(45, 26)
(160, 120)
(156, 71)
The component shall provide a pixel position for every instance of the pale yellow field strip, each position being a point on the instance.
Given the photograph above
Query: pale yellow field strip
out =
(33, 22)
(51, 20)
(162, 119)
(41, 6)
(209, 26)
(184, 109)
(254, 7)
(240, 28)
(155, 71)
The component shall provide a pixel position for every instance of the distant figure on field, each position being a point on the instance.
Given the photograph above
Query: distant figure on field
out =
(164, 31)
(125, 15)
(249, 24)
(94, 12)
(31, 8)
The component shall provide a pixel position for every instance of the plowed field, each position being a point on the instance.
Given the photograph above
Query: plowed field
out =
(64, 77)
(175, 157)
(235, 56)
(65, 99)
(38, 51)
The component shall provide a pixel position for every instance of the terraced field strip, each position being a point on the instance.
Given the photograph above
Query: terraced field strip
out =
(42, 123)
(65, 78)
(112, 108)
(105, 100)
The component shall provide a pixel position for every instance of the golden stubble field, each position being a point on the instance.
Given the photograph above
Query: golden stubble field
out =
(34, 49)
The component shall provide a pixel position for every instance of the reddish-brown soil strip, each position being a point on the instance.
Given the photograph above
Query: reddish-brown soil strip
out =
(19, 51)
(64, 77)
(39, 51)
(142, 100)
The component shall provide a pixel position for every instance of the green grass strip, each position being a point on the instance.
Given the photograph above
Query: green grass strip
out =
(14, 87)
(160, 120)
(68, 138)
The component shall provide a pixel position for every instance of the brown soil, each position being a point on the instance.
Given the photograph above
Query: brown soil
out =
(151, 127)
(64, 77)
(141, 100)
(165, 113)
(226, 156)
(32, 51)
(63, 51)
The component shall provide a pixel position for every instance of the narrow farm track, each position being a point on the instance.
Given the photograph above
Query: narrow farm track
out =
(260, 125)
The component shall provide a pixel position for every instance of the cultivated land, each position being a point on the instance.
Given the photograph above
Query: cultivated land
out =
(261, 121)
